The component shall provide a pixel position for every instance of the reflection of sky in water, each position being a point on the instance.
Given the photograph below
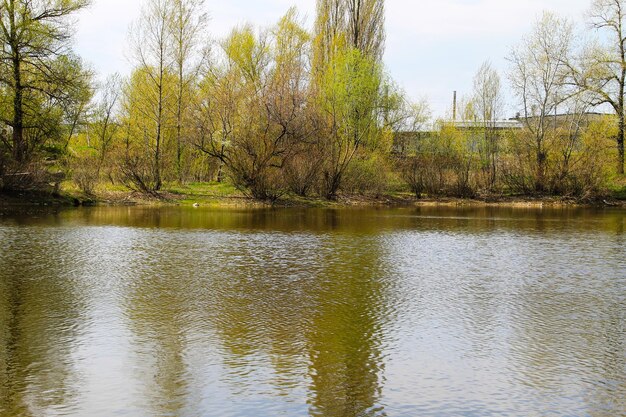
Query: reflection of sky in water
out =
(146, 312)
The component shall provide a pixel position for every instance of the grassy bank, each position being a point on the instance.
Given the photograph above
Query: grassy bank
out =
(225, 195)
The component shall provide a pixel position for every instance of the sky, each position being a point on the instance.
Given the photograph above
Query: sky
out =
(433, 48)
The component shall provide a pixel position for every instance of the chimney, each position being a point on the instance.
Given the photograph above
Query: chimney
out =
(454, 108)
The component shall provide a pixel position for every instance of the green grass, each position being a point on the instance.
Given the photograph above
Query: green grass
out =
(216, 194)
(619, 193)
(211, 194)
(618, 188)
(213, 189)
(225, 194)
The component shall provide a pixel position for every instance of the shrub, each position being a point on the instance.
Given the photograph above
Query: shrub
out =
(367, 175)
(85, 170)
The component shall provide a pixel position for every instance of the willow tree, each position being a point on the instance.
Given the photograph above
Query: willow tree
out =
(350, 101)
(38, 71)
(251, 112)
(235, 127)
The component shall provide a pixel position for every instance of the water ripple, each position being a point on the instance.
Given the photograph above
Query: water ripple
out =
(174, 312)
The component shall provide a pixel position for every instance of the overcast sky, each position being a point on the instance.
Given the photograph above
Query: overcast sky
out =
(433, 46)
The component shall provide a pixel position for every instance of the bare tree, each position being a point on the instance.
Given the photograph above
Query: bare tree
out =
(105, 123)
(366, 27)
(487, 104)
(186, 24)
(359, 24)
(151, 49)
(538, 77)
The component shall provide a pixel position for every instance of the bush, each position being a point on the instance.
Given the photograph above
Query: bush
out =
(261, 182)
(302, 172)
(575, 162)
(85, 170)
(31, 177)
(367, 175)
(138, 174)
(413, 172)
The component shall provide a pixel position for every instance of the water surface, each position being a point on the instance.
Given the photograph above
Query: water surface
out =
(296, 312)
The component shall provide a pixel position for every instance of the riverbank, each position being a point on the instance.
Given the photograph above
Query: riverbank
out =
(225, 196)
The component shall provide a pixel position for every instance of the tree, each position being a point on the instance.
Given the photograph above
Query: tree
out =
(487, 104)
(105, 124)
(330, 27)
(38, 70)
(601, 69)
(186, 24)
(151, 43)
(233, 114)
(538, 77)
(76, 106)
(349, 100)
(348, 50)
(366, 27)
(215, 112)
(409, 144)
(148, 120)
(359, 24)
(253, 103)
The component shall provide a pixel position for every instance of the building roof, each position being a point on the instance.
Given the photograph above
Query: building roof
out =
(496, 124)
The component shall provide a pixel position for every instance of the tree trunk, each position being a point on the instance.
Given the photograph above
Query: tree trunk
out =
(333, 181)
(179, 127)
(157, 153)
(620, 145)
(19, 147)
(157, 161)
(179, 150)
(541, 172)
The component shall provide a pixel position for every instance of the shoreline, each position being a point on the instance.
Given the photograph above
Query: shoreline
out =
(42, 199)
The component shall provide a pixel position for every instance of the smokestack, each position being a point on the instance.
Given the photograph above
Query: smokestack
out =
(454, 107)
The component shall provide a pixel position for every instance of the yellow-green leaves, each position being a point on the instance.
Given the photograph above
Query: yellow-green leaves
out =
(247, 52)
(350, 95)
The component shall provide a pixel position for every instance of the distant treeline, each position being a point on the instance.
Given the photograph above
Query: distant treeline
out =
(285, 109)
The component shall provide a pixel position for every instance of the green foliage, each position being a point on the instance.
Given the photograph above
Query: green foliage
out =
(41, 80)
(351, 97)
(349, 101)
(247, 53)
(283, 110)
(368, 175)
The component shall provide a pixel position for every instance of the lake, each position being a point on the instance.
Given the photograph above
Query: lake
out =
(128, 311)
